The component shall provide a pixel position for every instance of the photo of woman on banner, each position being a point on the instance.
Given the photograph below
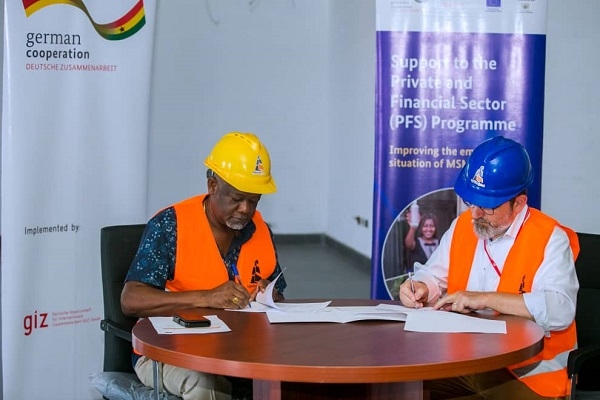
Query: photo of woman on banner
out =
(421, 239)
(414, 235)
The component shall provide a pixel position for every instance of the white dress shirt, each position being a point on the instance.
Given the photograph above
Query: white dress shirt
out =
(553, 294)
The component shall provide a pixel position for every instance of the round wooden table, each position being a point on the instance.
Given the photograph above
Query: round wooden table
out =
(372, 359)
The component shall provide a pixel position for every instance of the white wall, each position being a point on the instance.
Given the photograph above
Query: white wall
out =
(301, 75)
(351, 126)
(570, 182)
(262, 67)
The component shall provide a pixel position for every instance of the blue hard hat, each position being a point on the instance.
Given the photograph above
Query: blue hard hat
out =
(497, 171)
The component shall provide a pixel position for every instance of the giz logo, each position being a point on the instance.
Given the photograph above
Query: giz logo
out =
(35, 321)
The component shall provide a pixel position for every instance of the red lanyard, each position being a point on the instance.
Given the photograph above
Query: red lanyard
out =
(488, 253)
(492, 260)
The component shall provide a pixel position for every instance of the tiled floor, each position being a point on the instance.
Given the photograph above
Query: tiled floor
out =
(322, 271)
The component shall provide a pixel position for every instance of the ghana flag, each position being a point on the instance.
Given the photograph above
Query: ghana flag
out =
(120, 29)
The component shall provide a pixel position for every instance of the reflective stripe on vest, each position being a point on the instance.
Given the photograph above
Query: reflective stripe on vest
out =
(539, 367)
(545, 373)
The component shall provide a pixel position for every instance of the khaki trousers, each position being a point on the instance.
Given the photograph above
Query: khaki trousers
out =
(187, 384)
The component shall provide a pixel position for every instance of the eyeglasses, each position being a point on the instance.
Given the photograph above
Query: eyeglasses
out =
(486, 211)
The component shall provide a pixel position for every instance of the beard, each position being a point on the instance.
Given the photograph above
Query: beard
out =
(236, 224)
(484, 230)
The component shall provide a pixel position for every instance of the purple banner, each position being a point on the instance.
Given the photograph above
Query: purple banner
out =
(438, 96)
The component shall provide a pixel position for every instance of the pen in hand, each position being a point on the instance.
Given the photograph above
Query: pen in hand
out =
(412, 286)
(236, 276)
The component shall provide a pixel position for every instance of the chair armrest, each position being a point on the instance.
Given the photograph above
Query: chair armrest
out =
(579, 356)
(108, 326)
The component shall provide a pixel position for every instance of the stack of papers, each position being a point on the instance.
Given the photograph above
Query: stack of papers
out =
(418, 320)
(338, 314)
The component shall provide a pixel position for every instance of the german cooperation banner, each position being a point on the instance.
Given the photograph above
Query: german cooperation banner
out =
(74, 148)
(449, 76)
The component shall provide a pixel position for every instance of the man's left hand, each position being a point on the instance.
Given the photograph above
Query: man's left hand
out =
(462, 302)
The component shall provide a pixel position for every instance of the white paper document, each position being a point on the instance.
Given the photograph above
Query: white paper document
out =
(343, 314)
(264, 302)
(286, 307)
(400, 308)
(166, 326)
(418, 320)
(266, 297)
(446, 321)
(337, 314)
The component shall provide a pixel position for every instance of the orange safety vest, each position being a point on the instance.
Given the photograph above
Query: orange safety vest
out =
(545, 373)
(198, 262)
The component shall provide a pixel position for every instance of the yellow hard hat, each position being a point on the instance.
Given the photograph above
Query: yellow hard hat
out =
(241, 160)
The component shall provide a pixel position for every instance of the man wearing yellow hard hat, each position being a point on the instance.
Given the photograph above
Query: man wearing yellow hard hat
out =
(211, 250)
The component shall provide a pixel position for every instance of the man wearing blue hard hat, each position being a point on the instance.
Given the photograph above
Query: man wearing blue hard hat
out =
(503, 255)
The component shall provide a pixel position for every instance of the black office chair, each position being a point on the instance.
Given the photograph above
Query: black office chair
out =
(583, 365)
(118, 245)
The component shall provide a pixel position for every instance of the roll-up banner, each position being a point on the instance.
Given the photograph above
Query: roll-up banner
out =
(450, 74)
(74, 148)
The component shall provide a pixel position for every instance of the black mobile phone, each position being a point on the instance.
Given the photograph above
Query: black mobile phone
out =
(190, 319)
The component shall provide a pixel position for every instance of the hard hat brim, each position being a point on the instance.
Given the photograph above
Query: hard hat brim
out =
(262, 188)
(469, 193)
